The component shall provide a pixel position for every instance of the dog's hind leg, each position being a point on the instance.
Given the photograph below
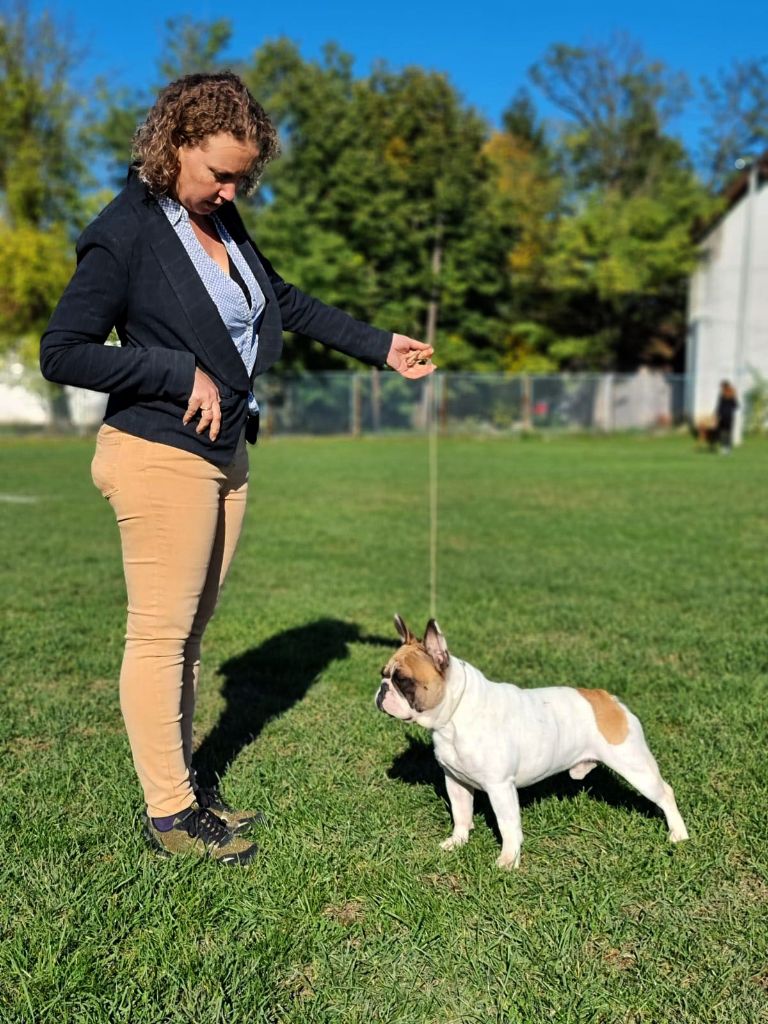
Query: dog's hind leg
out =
(677, 830)
(638, 766)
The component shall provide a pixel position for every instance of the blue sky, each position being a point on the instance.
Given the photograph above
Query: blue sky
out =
(485, 47)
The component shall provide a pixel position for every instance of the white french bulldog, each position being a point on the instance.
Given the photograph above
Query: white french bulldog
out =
(497, 737)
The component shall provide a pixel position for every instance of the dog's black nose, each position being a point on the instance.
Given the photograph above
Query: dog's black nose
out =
(380, 695)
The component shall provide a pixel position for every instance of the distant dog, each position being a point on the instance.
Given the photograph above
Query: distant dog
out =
(497, 737)
(706, 431)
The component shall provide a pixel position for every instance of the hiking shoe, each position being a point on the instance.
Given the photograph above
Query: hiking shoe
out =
(236, 821)
(198, 831)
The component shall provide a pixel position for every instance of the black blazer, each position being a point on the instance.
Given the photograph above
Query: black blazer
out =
(134, 274)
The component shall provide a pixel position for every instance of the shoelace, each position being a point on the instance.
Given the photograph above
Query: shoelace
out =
(203, 824)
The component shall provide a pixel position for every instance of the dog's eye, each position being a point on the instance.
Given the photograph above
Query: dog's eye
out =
(407, 687)
(403, 682)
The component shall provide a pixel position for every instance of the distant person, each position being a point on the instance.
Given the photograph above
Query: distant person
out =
(725, 412)
(200, 313)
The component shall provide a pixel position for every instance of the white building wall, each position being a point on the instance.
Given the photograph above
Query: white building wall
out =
(26, 400)
(20, 405)
(715, 306)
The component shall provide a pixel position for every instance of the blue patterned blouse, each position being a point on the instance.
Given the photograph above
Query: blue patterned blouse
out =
(240, 318)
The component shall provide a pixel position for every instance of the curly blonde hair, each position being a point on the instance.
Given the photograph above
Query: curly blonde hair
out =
(189, 111)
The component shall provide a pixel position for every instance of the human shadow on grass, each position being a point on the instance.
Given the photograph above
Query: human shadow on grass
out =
(266, 681)
(417, 766)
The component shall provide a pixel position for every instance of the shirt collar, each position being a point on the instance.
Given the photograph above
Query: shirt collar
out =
(173, 209)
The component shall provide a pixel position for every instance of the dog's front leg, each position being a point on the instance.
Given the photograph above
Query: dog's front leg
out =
(506, 807)
(462, 799)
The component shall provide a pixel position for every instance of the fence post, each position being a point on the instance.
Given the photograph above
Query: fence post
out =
(354, 405)
(527, 404)
(376, 400)
(610, 418)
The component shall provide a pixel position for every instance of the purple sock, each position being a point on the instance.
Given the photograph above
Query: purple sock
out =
(164, 824)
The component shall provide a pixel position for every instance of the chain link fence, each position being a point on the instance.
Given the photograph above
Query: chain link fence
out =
(376, 401)
(356, 403)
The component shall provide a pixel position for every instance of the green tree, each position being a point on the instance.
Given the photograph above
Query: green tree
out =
(521, 121)
(623, 244)
(35, 266)
(42, 171)
(380, 201)
(291, 215)
(42, 174)
(619, 268)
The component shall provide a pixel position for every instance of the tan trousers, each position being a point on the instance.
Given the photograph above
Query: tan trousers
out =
(179, 518)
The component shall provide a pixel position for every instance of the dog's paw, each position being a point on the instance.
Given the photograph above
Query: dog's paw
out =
(452, 842)
(678, 835)
(508, 861)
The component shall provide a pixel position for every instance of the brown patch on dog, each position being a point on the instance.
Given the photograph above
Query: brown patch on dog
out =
(610, 716)
(414, 674)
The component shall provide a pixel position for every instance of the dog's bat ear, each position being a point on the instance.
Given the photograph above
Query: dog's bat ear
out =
(405, 634)
(436, 647)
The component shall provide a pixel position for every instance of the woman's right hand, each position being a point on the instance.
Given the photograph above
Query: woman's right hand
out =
(205, 400)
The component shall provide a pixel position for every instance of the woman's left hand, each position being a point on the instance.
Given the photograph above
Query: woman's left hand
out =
(409, 357)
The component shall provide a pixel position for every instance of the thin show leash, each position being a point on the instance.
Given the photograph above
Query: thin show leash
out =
(432, 434)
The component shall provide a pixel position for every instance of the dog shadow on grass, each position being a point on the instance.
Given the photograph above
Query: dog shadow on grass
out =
(266, 681)
(417, 766)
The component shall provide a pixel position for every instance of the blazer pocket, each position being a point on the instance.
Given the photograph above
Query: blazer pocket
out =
(105, 460)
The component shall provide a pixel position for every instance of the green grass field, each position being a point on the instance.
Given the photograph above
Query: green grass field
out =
(635, 564)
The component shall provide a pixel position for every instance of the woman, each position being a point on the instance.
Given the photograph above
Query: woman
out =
(725, 412)
(200, 313)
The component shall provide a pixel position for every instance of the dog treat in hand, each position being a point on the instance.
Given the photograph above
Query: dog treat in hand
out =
(413, 358)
